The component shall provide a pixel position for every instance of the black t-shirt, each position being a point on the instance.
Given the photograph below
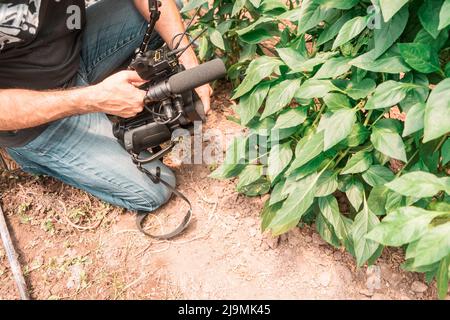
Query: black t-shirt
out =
(40, 43)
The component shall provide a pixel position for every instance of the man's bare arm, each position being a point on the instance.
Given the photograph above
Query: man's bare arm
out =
(117, 95)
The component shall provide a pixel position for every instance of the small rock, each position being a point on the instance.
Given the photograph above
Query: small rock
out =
(337, 256)
(366, 292)
(324, 279)
(271, 241)
(308, 239)
(253, 232)
(419, 287)
(284, 237)
(344, 273)
(373, 281)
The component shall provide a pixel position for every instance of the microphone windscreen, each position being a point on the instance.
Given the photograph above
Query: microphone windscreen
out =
(198, 76)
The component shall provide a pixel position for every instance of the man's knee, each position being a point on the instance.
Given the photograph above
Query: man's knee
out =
(153, 195)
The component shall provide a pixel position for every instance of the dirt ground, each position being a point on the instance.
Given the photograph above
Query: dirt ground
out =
(223, 254)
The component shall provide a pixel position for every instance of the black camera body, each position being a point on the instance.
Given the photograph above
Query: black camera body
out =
(154, 126)
(171, 101)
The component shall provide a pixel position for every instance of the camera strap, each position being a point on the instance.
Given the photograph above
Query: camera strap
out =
(142, 216)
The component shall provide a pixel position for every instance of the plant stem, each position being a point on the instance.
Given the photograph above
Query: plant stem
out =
(378, 119)
(341, 157)
(408, 163)
(441, 142)
(319, 115)
(369, 115)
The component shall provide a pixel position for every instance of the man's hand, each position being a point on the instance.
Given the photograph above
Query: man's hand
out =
(118, 94)
(189, 60)
(205, 92)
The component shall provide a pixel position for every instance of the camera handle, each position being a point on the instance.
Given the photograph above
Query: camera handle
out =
(141, 217)
(153, 6)
(154, 157)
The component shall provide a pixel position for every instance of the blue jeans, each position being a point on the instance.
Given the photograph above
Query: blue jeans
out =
(81, 150)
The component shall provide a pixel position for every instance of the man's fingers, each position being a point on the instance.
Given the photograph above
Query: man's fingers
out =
(204, 92)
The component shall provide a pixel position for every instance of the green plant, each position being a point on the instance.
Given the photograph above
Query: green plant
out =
(318, 104)
(229, 31)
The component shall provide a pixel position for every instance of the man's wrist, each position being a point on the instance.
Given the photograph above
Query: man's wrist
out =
(189, 59)
(87, 99)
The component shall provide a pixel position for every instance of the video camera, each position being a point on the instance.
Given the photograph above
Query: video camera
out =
(171, 102)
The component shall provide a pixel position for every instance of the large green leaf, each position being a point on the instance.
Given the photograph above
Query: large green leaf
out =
(350, 30)
(364, 248)
(420, 57)
(446, 152)
(307, 149)
(274, 7)
(360, 89)
(267, 214)
(330, 211)
(442, 276)
(338, 4)
(309, 65)
(280, 95)
(326, 231)
(428, 12)
(333, 68)
(216, 38)
(313, 88)
(377, 200)
(193, 4)
(291, 118)
(403, 226)
(262, 29)
(338, 127)
(437, 112)
(310, 15)
(327, 184)
(389, 64)
(333, 29)
(234, 161)
(378, 175)
(291, 57)
(336, 101)
(444, 15)
(279, 158)
(433, 246)
(249, 175)
(389, 32)
(355, 193)
(295, 206)
(388, 94)
(358, 136)
(390, 7)
(359, 162)
(419, 184)
(386, 139)
(414, 119)
(251, 102)
(238, 6)
(257, 71)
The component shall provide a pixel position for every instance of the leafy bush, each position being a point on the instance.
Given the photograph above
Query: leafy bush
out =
(317, 97)
(230, 32)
